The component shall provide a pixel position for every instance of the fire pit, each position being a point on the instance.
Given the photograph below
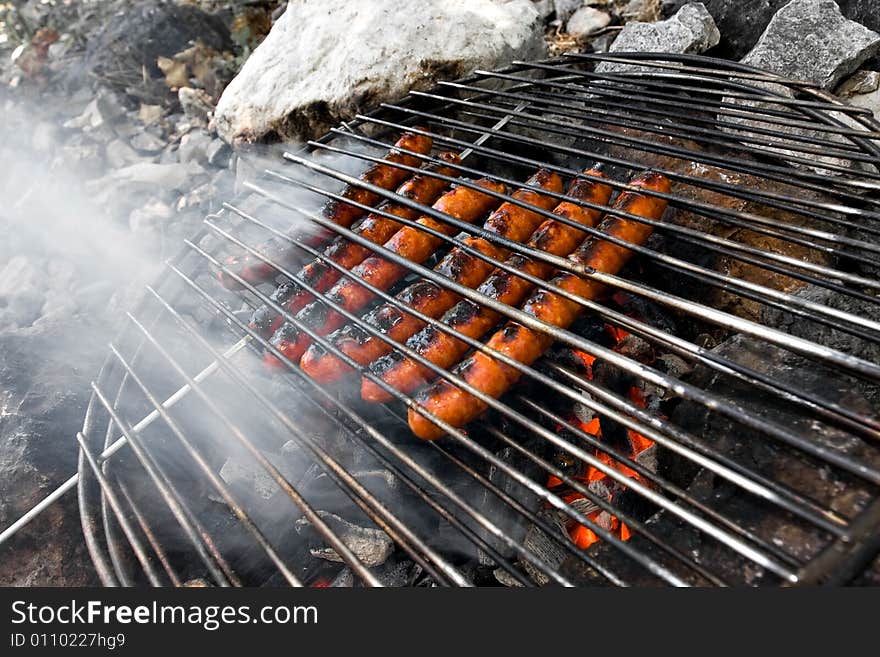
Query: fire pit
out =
(709, 417)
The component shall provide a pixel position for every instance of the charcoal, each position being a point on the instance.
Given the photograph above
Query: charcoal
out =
(396, 573)
(371, 546)
(250, 478)
(344, 580)
(539, 543)
(505, 578)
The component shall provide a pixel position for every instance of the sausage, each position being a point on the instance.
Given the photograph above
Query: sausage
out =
(462, 203)
(493, 378)
(474, 320)
(422, 188)
(509, 220)
(255, 271)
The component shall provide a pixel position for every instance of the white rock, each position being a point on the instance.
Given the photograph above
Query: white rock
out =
(326, 59)
(690, 30)
(585, 21)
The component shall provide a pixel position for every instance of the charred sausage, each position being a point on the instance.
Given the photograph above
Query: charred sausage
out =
(494, 378)
(510, 220)
(382, 174)
(422, 188)
(462, 203)
(473, 320)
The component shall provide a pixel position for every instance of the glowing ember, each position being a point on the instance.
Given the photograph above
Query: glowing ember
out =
(582, 536)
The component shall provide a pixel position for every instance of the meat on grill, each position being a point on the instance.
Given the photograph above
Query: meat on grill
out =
(492, 377)
(510, 220)
(422, 188)
(462, 203)
(381, 174)
(473, 320)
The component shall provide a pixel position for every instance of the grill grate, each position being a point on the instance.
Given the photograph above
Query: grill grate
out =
(744, 495)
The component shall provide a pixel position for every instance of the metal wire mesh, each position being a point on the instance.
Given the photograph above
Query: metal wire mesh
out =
(760, 278)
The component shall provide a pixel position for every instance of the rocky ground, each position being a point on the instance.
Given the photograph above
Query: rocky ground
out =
(115, 147)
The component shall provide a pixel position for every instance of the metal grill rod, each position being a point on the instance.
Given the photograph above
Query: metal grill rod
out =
(672, 175)
(485, 522)
(205, 467)
(371, 505)
(731, 217)
(381, 294)
(198, 537)
(320, 525)
(120, 442)
(136, 545)
(322, 340)
(792, 343)
(154, 542)
(618, 99)
(703, 136)
(650, 79)
(701, 273)
(685, 390)
(532, 426)
(662, 124)
(868, 426)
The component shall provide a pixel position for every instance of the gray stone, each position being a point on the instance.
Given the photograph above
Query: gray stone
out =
(89, 118)
(119, 154)
(219, 153)
(197, 105)
(194, 147)
(150, 175)
(147, 142)
(811, 40)
(585, 21)
(322, 62)
(565, 8)
(742, 22)
(544, 7)
(169, 155)
(201, 198)
(690, 30)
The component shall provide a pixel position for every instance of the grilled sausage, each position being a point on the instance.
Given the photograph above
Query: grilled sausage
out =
(421, 188)
(474, 320)
(382, 174)
(462, 203)
(509, 220)
(525, 345)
